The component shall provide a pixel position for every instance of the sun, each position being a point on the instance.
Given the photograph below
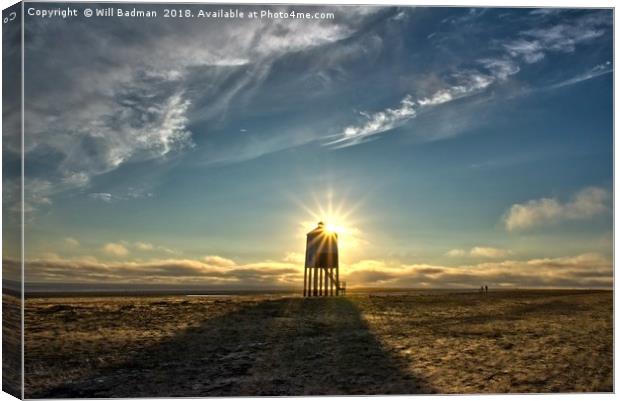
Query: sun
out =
(333, 229)
(337, 218)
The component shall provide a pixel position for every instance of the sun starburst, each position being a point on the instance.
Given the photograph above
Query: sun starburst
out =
(337, 217)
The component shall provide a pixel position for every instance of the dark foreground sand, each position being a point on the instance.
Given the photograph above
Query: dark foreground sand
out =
(11, 344)
(418, 342)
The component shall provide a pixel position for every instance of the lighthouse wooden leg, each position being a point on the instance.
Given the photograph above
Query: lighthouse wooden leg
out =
(315, 291)
(305, 279)
(326, 282)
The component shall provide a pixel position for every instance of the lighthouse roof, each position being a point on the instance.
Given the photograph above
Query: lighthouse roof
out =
(320, 229)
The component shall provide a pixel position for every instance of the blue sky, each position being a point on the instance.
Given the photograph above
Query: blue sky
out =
(456, 146)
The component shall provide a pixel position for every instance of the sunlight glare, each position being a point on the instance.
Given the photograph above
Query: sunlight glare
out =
(337, 219)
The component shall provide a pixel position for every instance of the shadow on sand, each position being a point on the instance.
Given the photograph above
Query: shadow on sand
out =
(290, 346)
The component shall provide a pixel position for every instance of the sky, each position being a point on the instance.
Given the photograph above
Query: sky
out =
(452, 147)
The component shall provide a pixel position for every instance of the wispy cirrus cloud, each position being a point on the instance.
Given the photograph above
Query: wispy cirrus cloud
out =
(530, 51)
(597, 70)
(128, 194)
(136, 100)
(376, 123)
(531, 46)
(155, 97)
(101, 196)
(585, 204)
(467, 84)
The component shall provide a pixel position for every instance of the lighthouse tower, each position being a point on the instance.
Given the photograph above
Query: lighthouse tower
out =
(321, 272)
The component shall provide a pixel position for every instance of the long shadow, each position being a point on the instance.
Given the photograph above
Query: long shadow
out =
(291, 346)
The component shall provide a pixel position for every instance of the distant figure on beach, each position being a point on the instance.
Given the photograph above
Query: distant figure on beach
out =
(486, 289)
(481, 289)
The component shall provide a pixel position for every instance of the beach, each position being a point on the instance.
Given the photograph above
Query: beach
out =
(373, 342)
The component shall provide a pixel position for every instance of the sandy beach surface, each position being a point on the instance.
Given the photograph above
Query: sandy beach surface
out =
(364, 343)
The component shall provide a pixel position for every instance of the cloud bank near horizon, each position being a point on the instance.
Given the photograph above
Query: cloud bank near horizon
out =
(589, 270)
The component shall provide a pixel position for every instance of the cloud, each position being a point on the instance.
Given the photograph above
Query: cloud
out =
(115, 249)
(130, 193)
(597, 70)
(531, 51)
(585, 204)
(388, 119)
(479, 252)
(469, 83)
(563, 37)
(488, 252)
(157, 96)
(72, 242)
(500, 68)
(369, 277)
(215, 271)
(456, 252)
(582, 271)
(589, 270)
(219, 261)
(101, 196)
(135, 101)
(376, 123)
(471, 15)
(295, 257)
(530, 47)
(144, 246)
(37, 195)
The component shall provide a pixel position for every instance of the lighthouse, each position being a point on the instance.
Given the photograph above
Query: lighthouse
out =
(321, 271)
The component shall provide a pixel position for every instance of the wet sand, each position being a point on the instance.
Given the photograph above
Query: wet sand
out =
(377, 343)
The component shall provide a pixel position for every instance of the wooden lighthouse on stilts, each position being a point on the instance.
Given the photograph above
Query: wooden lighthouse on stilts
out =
(321, 271)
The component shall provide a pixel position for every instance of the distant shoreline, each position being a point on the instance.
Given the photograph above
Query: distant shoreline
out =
(158, 291)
